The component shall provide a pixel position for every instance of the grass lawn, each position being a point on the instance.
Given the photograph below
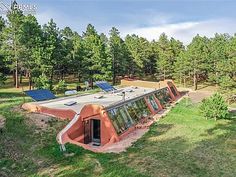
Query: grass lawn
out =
(181, 144)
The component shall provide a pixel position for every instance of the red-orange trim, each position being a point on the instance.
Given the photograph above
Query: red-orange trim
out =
(60, 113)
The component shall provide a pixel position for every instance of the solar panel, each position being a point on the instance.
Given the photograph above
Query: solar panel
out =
(40, 95)
(105, 86)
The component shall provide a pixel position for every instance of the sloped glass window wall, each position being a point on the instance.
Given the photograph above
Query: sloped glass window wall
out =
(127, 115)
(163, 96)
(152, 102)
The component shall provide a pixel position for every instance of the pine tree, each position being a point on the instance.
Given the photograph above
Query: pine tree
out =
(182, 67)
(217, 55)
(12, 37)
(95, 55)
(2, 53)
(164, 62)
(31, 41)
(117, 54)
(78, 64)
(67, 52)
(141, 53)
(52, 50)
(198, 52)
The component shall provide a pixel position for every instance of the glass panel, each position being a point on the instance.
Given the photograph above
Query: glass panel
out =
(113, 114)
(132, 110)
(152, 101)
(127, 119)
(173, 90)
(121, 119)
(163, 96)
(138, 109)
(143, 107)
(127, 115)
(167, 97)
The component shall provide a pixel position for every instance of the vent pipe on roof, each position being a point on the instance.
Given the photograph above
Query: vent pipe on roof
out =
(123, 96)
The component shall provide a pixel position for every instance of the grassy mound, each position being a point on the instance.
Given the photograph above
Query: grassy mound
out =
(182, 144)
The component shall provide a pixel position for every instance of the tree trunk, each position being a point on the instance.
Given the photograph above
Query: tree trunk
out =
(21, 78)
(16, 75)
(51, 79)
(114, 72)
(195, 79)
(27, 74)
(79, 78)
(91, 80)
(63, 73)
(180, 79)
(114, 78)
(164, 74)
(30, 81)
(184, 81)
(14, 78)
(216, 76)
(16, 59)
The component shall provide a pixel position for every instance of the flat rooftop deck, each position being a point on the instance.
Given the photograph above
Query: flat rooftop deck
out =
(106, 99)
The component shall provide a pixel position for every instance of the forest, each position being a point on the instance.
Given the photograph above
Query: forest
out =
(195, 133)
(47, 54)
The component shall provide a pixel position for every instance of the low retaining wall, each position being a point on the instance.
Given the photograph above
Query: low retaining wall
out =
(140, 83)
(59, 113)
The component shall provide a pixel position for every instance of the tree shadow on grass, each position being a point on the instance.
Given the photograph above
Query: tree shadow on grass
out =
(159, 129)
(148, 156)
(155, 154)
(215, 155)
(11, 94)
(87, 163)
(84, 163)
(218, 149)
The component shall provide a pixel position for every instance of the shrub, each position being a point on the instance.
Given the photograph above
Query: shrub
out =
(60, 87)
(42, 82)
(214, 107)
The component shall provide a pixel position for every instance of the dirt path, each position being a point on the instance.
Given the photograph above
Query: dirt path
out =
(198, 96)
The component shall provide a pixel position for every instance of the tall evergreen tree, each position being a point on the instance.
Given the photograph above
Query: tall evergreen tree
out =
(164, 63)
(52, 50)
(13, 35)
(78, 64)
(227, 73)
(95, 55)
(217, 55)
(31, 41)
(117, 54)
(198, 52)
(2, 53)
(182, 67)
(67, 52)
(152, 54)
(140, 53)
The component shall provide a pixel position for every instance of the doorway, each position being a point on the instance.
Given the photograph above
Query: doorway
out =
(96, 132)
